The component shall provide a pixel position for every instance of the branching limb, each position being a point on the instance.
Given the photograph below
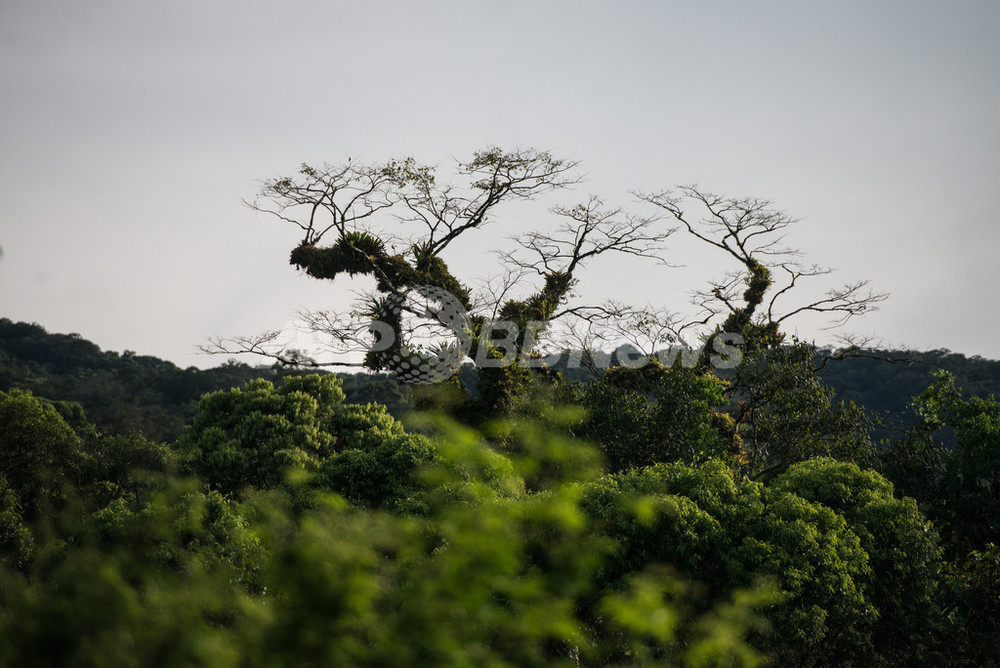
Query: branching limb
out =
(846, 302)
(331, 197)
(494, 176)
(588, 230)
(750, 231)
(745, 228)
(864, 347)
(269, 345)
(496, 290)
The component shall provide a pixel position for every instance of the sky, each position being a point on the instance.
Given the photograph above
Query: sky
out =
(132, 132)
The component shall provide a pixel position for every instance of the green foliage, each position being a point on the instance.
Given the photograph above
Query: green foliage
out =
(361, 253)
(264, 437)
(382, 389)
(127, 392)
(958, 487)
(181, 529)
(545, 457)
(326, 390)
(785, 414)
(759, 336)
(479, 580)
(193, 578)
(855, 569)
(498, 387)
(432, 270)
(644, 416)
(318, 532)
(902, 550)
(129, 468)
(252, 436)
(541, 306)
(124, 393)
(363, 427)
(379, 476)
(164, 584)
(354, 253)
(885, 388)
(40, 455)
(16, 540)
(50, 477)
(972, 609)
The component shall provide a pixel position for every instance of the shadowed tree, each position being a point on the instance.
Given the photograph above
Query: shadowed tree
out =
(394, 222)
(782, 410)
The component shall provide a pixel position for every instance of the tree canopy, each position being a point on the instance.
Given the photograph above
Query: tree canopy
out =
(394, 222)
(712, 506)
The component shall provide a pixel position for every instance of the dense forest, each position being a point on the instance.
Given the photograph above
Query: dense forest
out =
(277, 522)
(124, 392)
(754, 501)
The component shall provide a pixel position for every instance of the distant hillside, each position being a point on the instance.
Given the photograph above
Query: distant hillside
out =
(122, 392)
(886, 388)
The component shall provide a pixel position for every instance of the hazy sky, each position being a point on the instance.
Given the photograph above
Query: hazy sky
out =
(131, 131)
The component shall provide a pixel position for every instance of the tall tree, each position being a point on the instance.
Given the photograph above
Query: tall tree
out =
(394, 222)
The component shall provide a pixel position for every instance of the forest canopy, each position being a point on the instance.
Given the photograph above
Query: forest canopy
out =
(753, 501)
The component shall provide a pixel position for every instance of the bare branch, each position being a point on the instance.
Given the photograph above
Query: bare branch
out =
(750, 231)
(371, 208)
(846, 302)
(864, 347)
(267, 344)
(494, 290)
(495, 176)
(647, 329)
(745, 228)
(794, 273)
(346, 194)
(589, 230)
